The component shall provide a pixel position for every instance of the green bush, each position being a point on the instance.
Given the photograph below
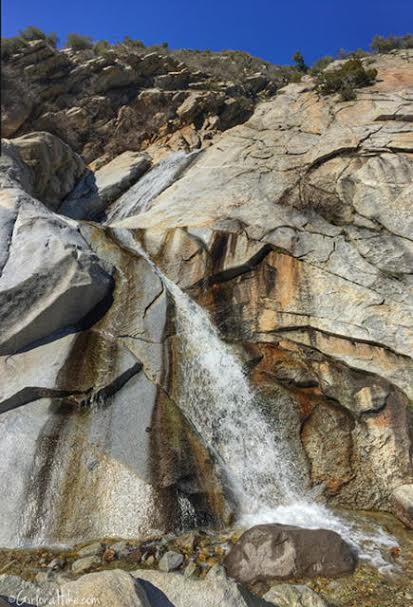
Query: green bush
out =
(321, 64)
(345, 79)
(31, 32)
(78, 42)
(52, 39)
(382, 44)
(101, 46)
(359, 53)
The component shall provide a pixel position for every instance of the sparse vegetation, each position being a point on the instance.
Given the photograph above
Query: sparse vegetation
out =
(12, 45)
(382, 44)
(31, 33)
(78, 42)
(346, 79)
(101, 47)
(132, 43)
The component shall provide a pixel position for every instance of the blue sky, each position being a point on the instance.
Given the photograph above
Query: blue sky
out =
(270, 29)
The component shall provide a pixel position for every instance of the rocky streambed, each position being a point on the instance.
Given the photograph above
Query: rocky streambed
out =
(202, 555)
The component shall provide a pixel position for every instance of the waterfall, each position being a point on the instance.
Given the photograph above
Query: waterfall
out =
(219, 401)
(226, 411)
(139, 197)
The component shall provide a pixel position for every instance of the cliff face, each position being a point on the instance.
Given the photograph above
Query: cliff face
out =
(126, 99)
(293, 229)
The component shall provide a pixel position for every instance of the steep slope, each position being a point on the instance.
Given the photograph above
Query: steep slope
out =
(126, 98)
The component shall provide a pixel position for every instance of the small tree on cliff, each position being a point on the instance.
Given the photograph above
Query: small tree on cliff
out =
(299, 62)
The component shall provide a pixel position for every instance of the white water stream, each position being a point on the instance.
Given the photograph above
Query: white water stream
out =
(226, 411)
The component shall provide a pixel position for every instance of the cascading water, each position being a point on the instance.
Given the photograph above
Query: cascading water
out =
(220, 403)
(139, 197)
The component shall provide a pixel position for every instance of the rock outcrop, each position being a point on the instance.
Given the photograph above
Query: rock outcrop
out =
(51, 172)
(50, 279)
(123, 99)
(120, 174)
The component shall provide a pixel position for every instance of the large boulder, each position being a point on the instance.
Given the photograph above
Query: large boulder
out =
(215, 589)
(55, 174)
(51, 280)
(115, 588)
(268, 552)
(16, 591)
(54, 168)
(142, 588)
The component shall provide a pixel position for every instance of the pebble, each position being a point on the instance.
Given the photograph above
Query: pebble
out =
(85, 564)
(90, 550)
(171, 561)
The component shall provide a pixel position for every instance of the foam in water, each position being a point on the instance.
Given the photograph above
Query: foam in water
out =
(221, 404)
(139, 197)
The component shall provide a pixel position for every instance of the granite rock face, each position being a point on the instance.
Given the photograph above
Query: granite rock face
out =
(120, 174)
(294, 230)
(51, 172)
(83, 346)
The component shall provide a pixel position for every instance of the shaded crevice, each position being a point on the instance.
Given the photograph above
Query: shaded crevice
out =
(231, 273)
(75, 397)
(83, 324)
(153, 301)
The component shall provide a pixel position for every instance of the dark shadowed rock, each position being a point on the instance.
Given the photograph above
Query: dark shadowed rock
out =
(268, 552)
